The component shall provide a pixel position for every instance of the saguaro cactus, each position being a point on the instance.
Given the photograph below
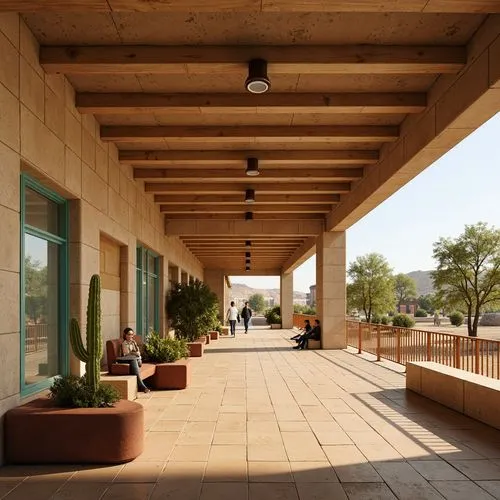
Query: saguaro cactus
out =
(91, 355)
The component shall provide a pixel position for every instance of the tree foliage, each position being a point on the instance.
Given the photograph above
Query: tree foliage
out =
(35, 283)
(427, 302)
(192, 309)
(257, 302)
(405, 288)
(372, 286)
(468, 271)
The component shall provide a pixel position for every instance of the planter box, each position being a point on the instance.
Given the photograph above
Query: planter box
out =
(214, 335)
(175, 375)
(40, 433)
(195, 349)
(275, 326)
(225, 330)
(207, 338)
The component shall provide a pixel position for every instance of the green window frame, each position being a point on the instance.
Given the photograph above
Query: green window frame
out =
(61, 240)
(147, 273)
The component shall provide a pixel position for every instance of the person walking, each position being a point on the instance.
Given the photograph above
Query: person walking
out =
(232, 316)
(246, 314)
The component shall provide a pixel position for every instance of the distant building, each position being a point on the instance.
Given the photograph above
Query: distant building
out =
(408, 307)
(312, 296)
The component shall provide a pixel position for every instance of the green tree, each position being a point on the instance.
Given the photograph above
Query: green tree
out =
(468, 271)
(35, 283)
(372, 285)
(427, 302)
(405, 288)
(257, 302)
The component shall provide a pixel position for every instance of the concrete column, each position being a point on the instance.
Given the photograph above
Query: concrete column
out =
(331, 288)
(215, 279)
(286, 300)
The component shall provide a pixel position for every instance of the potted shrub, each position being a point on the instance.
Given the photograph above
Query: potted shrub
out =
(46, 430)
(193, 310)
(273, 317)
(172, 368)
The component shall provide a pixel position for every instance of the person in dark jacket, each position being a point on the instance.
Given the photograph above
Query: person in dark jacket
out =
(314, 334)
(307, 328)
(246, 314)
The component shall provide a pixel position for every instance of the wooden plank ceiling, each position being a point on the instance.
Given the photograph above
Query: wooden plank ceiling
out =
(168, 89)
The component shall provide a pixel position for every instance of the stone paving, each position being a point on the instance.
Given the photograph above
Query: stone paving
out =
(262, 421)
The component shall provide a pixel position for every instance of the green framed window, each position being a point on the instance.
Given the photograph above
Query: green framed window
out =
(44, 286)
(148, 291)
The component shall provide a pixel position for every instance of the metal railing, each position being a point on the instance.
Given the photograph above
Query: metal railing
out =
(402, 345)
(36, 337)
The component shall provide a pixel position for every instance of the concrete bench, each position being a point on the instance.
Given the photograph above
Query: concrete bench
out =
(125, 384)
(473, 395)
(314, 344)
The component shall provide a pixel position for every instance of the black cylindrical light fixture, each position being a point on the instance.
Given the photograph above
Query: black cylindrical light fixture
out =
(247, 255)
(248, 215)
(247, 261)
(249, 196)
(257, 81)
(247, 268)
(248, 243)
(252, 167)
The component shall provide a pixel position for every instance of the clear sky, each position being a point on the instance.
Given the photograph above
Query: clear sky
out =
(462, 187)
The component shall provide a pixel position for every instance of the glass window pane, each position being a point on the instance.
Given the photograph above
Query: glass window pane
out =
(144, 326)
(151, 264)
(152, 303)
(41, 212)
(41, 286)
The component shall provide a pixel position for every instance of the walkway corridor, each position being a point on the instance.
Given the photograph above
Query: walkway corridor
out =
(261, 421)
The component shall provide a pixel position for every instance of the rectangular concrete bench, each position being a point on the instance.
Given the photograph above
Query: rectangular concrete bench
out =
(473, 395)
(125, 384)
(314, 344)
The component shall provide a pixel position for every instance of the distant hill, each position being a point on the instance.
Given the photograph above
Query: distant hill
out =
(423, 281)
(239, 290)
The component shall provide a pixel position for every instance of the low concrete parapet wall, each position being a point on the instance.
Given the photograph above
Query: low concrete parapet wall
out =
(473, 395)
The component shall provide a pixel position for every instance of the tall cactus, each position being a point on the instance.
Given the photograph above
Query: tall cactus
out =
(91, 355)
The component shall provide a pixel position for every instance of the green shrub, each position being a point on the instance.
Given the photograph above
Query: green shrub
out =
(160, 350)
(376, 318)
(402, 320)
(456, 318)
(421, 313)
(384, 320)
(75, 392)
(273, 315)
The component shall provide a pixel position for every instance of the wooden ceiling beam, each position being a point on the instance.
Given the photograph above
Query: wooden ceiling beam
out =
(262, 199)
(297, 103)
(280, 157)
(287, 59)
(451, 6)
(244, 207)
(238, 175)
(320, 133)
(241, 216)
(228, 188)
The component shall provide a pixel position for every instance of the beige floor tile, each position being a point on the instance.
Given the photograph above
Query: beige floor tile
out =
(266, 417)
(233, 408)
(168, 425)
(263, 426)
(368, 491)
(380, 452)
(478, 470)
(177, 412)
(179, 472)
(7, 486)
(190, 453)
(267, 453)
(351, 422)
(492, 487)
(302, 446)
(320, 491)
(129, 491)
(313, 472)
(351, 465)
(40, 491)
(405, 482)
(437, 470)
(228, 452)
(229, 438)
(329, 433)
(176, 491)
(336, 405)
(226, 471)
(187, 437)
(158, 446)
(290, 426)
(461, 490)
(273, 491)
(140, 472)
(269, 472)
(316, 414)
(77, 491)
(224, 491)
(97, 474)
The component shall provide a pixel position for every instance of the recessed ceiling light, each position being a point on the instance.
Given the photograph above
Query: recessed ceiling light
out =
(248, 215)
(248, 243)
(252, 167)
(249, 196)
(247, 255)
(257, 81)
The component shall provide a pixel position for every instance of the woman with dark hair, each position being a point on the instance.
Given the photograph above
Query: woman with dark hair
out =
(131, 355)
(307, 328)
(314, 334)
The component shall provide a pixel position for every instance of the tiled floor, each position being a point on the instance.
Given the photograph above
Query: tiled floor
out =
(261, 421)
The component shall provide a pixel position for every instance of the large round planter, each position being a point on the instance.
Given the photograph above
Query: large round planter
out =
(40, 433)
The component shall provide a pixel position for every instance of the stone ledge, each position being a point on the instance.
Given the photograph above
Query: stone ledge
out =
(125, 384)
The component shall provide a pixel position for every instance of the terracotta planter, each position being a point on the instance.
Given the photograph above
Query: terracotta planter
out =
(207, 338)
(175, 375)
(195, 349)
(40, 433)
(214, 335)
(225, 330)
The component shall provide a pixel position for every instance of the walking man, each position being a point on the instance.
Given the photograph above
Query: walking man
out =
(246, 314)
(232, 316)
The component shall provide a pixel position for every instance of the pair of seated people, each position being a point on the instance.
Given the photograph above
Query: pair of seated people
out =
(313, 333)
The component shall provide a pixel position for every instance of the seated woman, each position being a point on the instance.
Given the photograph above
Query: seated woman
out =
(131, 355)
(314, 334)
(307, 328)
